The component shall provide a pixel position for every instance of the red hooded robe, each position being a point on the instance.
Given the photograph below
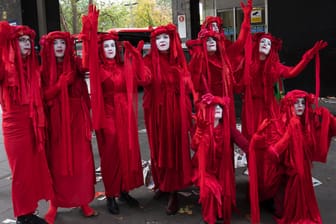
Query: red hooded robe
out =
(167, 110)
(23, 122)
(67, 104)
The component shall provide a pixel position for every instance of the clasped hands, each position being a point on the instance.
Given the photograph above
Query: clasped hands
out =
(66, 79)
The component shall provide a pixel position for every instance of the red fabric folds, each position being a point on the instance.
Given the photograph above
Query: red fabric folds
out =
(23, 121)
(168, 113)
(292, 143)
(214, 172)
(52, 76)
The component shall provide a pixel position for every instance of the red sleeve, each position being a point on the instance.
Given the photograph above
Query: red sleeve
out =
(293, 71)
(239, 139)
(281, 145)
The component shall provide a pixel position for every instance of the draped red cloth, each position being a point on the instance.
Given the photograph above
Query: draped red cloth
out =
(218, 70)
(167, 110)
(51, 72)
(213, 160)
(23, 121)
(213, 73)
(302, 140)
(114, 108)
(69, 127)
(260, 76)
(118, 139)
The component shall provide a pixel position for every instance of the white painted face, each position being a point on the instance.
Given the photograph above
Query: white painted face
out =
(109, 49)
(162, 42)
(218, 112)
(211, 44)
(25, 45)
(59, 47)
(265, 46)
(299, 106)
(214, 27)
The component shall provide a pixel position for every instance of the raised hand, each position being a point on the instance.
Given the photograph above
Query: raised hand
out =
(66, 79)
(140, 45)
(134, 51)
(93, 14)
(247, 9)
(319, 45)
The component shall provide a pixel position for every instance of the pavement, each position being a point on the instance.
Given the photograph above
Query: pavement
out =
(152, 211)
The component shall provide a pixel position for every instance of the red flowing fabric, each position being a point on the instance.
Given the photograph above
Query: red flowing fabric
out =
(114, 110)
(259, 100)
(125, 172)
(91, 61)
(69, 151)
(304, 140)
(23, 122)
(168, 113)
(215, 69)
(214, 173)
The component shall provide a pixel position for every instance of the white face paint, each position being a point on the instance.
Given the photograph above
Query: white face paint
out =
(218, 112)
(162, 42)
(59, 47)
(25, 45)
(265, 46)
(109, 49)
(211, 44)
(214, 27)
(299, 106)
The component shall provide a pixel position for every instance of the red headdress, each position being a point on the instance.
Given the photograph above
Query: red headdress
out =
(207, 24)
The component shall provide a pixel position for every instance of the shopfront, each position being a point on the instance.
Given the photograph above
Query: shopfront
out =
(232, 15)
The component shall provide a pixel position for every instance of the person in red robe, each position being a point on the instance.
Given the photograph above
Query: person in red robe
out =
(289, 145)
(23, 122)
(67, 103)
(167, 110)
(263, 71)
(114, 85)
(215, 60)
(213, 158)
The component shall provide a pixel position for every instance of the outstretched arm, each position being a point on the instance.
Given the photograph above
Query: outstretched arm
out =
(306, 58)
(245, 29)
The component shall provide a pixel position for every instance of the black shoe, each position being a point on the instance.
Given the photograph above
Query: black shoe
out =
(112, 205)
(159, 194)
(125, 197)
(30, 219)
(268, 205)
(173, 205)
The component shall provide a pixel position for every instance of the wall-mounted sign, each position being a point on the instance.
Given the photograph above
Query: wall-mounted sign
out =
(181, 25)
(256, 15)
